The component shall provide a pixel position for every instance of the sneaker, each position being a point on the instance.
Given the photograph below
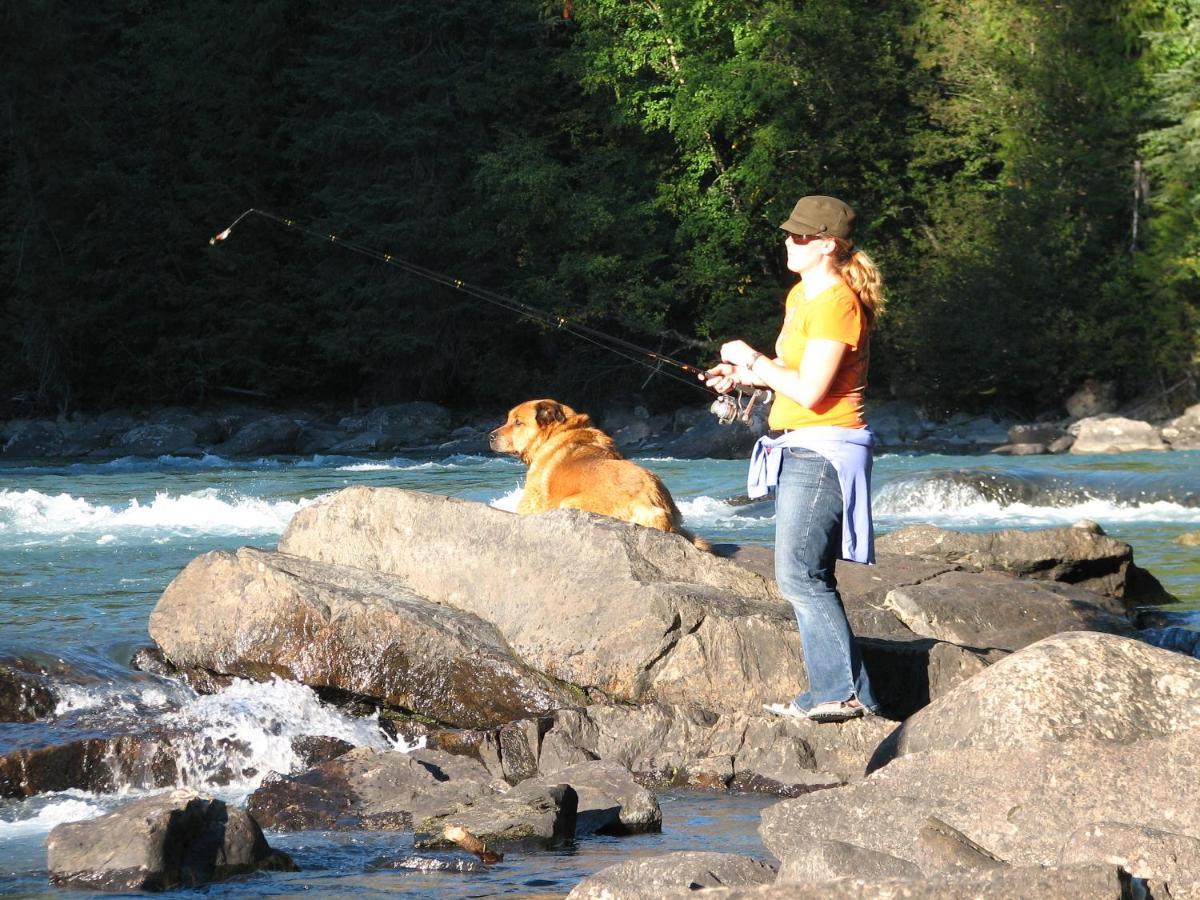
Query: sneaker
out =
(837, 711)
(787, 710)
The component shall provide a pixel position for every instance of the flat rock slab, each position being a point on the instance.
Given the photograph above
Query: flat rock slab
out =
(1141, 851)
(1021, 803)
(1053, 883)
(819, 861)
(101, 765)
(158, 843)
(1078, 556)
(1073, 686)
(632, 612)
(255, 613)
(534, 815)
(1002, 613)
(656, 876)
(372, 790)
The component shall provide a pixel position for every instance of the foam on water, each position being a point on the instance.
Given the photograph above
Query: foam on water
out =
(509, 501)
(41, 813)
(247, 731)
(209, 511)
(710, 512)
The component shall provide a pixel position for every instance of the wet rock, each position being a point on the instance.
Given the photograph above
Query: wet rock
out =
(943, 848)
(1071, 555)
(371, 789)
(657, 876)
(820, 861)
(1045, 883)
(202, 681)
(1021, 803)
(999, 612)
(312, 750)
(1183, 432)
(1035, 433)
(270, 435)
(101, 765)
(26, 694)
(156, 440)
(534, 815)
(401, 425)
(1189, 539)
(1020, 449)
(632, 612)
(31, 439)
(256, 613)
(1142, 851)
(1070, 687)
(1113, 434)
(610, 801)
(697, 434)
(159, 843)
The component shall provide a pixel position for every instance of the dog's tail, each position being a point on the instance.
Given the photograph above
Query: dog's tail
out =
(698, 542)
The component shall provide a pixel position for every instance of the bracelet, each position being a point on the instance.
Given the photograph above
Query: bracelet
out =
(754, 362)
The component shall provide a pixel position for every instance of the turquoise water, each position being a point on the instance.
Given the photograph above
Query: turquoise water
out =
(86, 549)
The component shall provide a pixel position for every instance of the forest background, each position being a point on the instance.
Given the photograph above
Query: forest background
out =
(1026, 174)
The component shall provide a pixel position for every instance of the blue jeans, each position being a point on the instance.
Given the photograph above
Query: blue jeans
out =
(808, 541)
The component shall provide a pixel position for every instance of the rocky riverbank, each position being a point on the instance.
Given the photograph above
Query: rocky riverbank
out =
(561, 668)
(420, 427)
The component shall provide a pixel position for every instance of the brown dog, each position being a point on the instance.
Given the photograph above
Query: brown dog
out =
(574, 465)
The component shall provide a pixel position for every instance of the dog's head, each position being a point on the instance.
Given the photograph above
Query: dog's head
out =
(527, 426)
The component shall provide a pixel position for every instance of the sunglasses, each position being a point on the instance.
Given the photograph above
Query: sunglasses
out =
(802, 238)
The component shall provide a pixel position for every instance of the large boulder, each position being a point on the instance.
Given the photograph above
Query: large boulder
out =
(371, 789)
(1080, 556)
(158, 843)
(270, 435)
(401, 425)
(657, 876)
(1070, 687)
(1021, 802)
(1113, 434)
(31, 438)
(534, 815)
(156, 439)
(1183, 432)
(99, 765)
(632, 612)
(1142, 852)
(255, 613)
(610, 801)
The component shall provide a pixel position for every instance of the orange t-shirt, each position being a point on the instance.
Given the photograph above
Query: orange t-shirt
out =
(835, 314)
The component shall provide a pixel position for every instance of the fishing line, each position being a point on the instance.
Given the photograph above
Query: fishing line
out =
(627, 349)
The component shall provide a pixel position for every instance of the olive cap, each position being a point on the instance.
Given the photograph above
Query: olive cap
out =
(821, 215)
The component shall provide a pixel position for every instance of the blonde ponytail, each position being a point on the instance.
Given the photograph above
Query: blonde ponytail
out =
(862, 276)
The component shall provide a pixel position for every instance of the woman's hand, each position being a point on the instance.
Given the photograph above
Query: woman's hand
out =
(722, 378)
(739, 353)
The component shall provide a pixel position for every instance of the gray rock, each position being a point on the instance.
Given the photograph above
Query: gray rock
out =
(1077, 686)
(821, 861)
(634, 612)
(702, 436)
(1142, 851)
(1113, 434)
(1092, 399)
(1183, 432)
(274, 434)
(1001, 612)
(610, 801)
(534, 815)
(373, 790)
(26, 694)
(655, 876)
(256, 613)
(1035, 433)
(159, 843)
(1189, 539)
(943, 848)
(1062, 444)
(155, 440)
(1045, 883)
(403, 424)
(1071, 555)
(1020, 449)
(898, 423)
(1021, 801)
(32, 439)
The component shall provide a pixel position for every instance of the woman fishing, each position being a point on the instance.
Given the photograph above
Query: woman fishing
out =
(817, 454)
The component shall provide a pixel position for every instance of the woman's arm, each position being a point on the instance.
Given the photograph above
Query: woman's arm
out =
(806, 385)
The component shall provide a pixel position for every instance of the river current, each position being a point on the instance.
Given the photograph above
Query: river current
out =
(86, 549)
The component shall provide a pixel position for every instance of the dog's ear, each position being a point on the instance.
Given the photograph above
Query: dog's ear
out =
(547, 412)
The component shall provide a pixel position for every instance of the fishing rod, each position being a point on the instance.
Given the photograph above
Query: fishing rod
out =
(725, 407)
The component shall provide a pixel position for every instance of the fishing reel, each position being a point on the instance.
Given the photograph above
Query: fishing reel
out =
(739, 406)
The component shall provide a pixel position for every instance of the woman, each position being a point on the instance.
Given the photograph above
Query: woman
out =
(818, 453)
